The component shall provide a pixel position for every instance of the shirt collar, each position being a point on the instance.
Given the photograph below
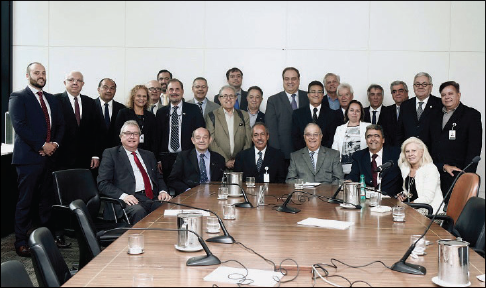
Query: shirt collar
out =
(35, 90)
(316, 152)
(379, 153)
(103, 102)
(205, 154)
(377, 109)
(263, 151)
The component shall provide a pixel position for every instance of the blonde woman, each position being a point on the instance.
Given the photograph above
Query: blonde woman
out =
(421, 179)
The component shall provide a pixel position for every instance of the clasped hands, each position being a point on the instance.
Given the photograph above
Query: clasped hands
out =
(48, 149)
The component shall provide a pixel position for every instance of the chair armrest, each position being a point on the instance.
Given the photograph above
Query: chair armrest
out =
(448, 223)
(429, 208)
(122, 204)
(61, 208)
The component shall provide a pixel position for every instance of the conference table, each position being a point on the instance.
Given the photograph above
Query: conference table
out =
(373, 236)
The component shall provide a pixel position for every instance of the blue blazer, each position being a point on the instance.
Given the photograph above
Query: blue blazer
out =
(30, 125)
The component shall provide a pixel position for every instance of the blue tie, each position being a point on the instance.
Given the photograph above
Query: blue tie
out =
(107, 116)
(237, 105)
(373, 120)
(202, 168)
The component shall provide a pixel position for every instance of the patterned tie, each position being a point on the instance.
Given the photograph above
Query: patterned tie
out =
(294, 104)
(200, 107)
(259, 161)
(314, 116)
(107, 116)
(398, 112)
(146, 179)
(237, 105)
(76, 110)
(312, 160)
(420, 110)
(202, 168)
(373, 120)
(46, 116)
(374, 174)
(174, 126)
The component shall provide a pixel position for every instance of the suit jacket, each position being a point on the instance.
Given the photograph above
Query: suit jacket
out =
(339, 116)
(385, 121)
(210, 106)
(260, 117)
(274, 160)
(220, 134)
(30, 125)
(243, 104)
(80, 143)
(191, 120)
(391, 182)
(328, 167)
(327, 121)
(408, 125)
(111, 137)
(278, 118)
(186, 174)
(148, 126)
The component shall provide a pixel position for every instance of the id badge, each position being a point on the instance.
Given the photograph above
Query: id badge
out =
(452, 134)
(142, 138)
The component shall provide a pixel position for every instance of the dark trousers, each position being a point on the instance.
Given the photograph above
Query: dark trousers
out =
(144, 207)
(167, 160)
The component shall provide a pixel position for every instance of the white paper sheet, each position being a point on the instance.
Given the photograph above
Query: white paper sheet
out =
(262, 278)
(311, 184)
(174, 212)
(324, 223)
(381, 209)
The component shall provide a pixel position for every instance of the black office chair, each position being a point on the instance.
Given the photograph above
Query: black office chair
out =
(15, 275)
(50, 268)
(470, 224)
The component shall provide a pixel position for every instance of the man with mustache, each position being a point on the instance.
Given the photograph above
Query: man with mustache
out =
(164, 76)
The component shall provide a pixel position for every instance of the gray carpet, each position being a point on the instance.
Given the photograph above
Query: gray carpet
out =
(71, 255)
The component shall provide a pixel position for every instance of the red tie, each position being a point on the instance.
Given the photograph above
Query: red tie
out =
(146, 180)
(373, 169)
(76, 110)
(46, 115)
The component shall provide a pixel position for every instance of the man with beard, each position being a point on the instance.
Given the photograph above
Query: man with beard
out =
(164, 76)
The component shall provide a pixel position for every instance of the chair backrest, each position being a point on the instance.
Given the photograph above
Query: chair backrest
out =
(15, 275)
(470, 224)
(467, 186)
(49, 266)
(73, 184)
(89, 246)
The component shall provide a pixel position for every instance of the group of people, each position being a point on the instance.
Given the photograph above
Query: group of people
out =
(159, 145)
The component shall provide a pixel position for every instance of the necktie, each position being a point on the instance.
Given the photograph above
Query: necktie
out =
(374, 174)
(107, 116)
(146, 179)
(312, 160)
(398, 112)
(294, 104)
(174, 126)
(202, 168)
(314, 116)
(46, 116)
(76, 110)
(237, 105)
(373, 120)
(420, 110)
(153, 108)
(259, 161)
(200, 107)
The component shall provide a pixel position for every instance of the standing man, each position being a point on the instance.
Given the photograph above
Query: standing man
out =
(255, 98)
(175, 123)
(155, 91)
(279, 111)
(331, 82)
(399, 92)
(200, 89)
(109, 110)
(378, 114)
(456, 136)
(164, 76)
(345, 95)
(261, 159)
(39, 125)
(234, 76)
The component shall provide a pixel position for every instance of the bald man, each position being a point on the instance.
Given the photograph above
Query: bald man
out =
(155, 90)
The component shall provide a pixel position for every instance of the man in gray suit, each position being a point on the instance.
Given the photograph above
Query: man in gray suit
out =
(315, 163)
(200, 90)
(131, 174)
(278, 115)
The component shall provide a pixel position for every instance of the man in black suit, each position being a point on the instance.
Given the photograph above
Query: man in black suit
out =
(456, 135)
(130, 174)
(109, 110)
(365, 162)
(255, 97)
(261, 159)
(175, 123)
(399, 92)
(39, 126)
(416, 113)
(197, 165)
(377, 113)
(317, 113)
(234, 76)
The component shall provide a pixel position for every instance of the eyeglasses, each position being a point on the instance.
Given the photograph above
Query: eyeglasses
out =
(421, 84)
(203, 87)
(227, 96)
(309, 135)
(316, 92)
(131, 134)
(74, 80)
(153, 89)
(399, 90)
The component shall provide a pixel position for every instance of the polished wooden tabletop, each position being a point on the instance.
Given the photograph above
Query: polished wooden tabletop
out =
(277, 237)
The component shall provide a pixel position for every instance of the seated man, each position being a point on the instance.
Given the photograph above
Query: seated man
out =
(366, 161)
(197, 165)
(315, 163)
(131, 174)
(253, 162)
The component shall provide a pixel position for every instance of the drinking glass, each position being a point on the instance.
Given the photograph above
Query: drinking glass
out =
(250, 181)
(399, 214)
(229, 212)
(135, 243)
(420, 246)
(223, 193)
(375, 198)
(212, 224)
(143, 280)
(299, 184)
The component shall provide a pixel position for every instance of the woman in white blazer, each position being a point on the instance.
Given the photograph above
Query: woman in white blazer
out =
(421, 179)
(350, 137)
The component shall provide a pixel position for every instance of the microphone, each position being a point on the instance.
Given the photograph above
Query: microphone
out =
(401, 265)
(333, 198)
(226, 238)
(247, 203)
(284, 208)
(384, 166)
(207, 260)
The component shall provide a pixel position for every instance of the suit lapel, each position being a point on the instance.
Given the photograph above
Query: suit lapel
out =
(67, 103)
(454, 119)
(367, 163)
(222, 119)
(320, 159)
(124, 158)
(285, 102)
(306, 156)
(194, 161)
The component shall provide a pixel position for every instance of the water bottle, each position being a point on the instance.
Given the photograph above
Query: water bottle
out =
(362, 183)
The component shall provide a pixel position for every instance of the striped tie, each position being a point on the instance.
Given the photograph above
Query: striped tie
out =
(46, 116)
(174, 127)
(312, 160)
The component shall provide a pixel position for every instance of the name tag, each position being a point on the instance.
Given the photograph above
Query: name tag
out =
(142, 138)
(452, 134)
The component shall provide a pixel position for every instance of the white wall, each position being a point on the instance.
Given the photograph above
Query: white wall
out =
(363, 42)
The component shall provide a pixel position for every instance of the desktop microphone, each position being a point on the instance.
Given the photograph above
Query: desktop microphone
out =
(207, 260)
(333, 198)
(284, 208)
(247, 203)
(384, 166)
(402, 266)
(226, 238)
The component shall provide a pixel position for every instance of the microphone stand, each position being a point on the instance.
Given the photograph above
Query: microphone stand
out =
(226, 238)
(285, 208)
(247, 203)
(333, 198)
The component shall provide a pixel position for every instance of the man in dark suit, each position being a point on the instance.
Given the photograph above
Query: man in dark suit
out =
(416, 113)
(314, 113)
(234, 76)
(456, 136)
(278, 115)
(367, 160)
(109, 110)
(399, 92)
(255, 98)
(130, 174)
(197, 165)
(175, 123)
(261, 159)
(39, 126)
(377, 113)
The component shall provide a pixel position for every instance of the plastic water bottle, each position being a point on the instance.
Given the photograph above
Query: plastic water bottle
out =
(362, 183)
